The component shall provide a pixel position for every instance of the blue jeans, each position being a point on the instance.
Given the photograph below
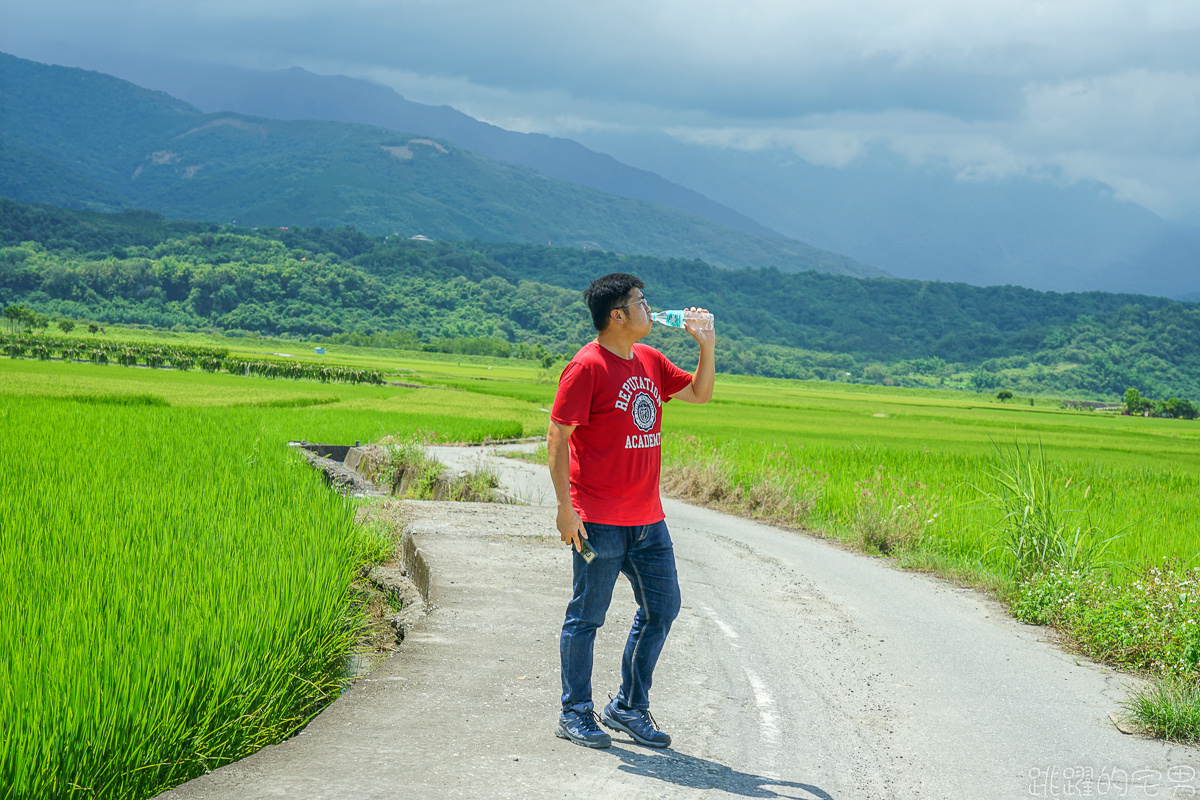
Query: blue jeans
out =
(645, 554)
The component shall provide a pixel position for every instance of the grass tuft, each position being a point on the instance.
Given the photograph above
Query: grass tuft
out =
(709, 481)
(474, 486)
(770, 496)
(1168, 708)
(412, 473)
(539, 455)
(1038, 525)
(892, 515)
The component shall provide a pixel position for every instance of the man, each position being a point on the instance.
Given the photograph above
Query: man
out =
(604, 453)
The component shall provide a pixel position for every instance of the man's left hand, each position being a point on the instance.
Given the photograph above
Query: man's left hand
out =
(702, 335)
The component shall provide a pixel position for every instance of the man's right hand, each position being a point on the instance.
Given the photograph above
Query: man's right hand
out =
(558, 452)
(570, 527)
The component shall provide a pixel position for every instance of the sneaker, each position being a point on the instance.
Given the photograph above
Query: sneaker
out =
(580, 727)
(636, 722)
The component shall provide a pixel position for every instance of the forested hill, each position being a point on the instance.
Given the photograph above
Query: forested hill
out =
(82, 139)
(141, 268)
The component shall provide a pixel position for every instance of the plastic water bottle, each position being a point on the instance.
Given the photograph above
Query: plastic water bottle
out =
(697, 319)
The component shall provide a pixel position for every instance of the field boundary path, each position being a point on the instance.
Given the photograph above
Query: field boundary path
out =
(796, 670)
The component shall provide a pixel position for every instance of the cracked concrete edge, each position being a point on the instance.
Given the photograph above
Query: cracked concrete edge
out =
(413, 604)
(415, 565)
(410, 582)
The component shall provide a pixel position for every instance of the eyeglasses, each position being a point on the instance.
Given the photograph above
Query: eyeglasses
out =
(641, 300)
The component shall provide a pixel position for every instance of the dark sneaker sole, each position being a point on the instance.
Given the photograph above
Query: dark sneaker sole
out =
(599, 744)
(609, 722)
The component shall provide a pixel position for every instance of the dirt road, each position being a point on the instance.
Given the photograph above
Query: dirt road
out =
(795, 670)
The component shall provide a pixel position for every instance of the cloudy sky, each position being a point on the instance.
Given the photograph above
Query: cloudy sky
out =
(1105, 90)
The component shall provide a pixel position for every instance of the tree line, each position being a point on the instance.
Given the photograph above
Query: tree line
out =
(514, 300)
(175, 356)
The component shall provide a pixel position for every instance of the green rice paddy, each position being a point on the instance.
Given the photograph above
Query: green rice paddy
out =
(1135, 476)
(175, 579)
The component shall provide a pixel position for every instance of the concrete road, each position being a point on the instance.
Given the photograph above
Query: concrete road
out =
(796, 669)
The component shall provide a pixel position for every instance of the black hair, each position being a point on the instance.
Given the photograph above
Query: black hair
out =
(607, 293)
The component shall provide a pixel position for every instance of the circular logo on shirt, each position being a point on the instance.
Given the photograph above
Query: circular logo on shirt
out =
(643, 410)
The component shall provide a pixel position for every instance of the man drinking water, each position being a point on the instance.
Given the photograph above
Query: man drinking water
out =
(605, 455)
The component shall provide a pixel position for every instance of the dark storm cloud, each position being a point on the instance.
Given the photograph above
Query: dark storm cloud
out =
(1091, 89)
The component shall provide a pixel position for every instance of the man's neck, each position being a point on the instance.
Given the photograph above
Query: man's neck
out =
(620, 346)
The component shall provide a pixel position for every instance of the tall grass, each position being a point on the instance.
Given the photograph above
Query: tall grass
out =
(175, 594)
(1044, 520)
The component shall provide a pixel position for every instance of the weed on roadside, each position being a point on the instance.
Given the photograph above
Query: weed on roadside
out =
(891, 515)
(709, 481)
(1169, 708)
(476, 485)
(540, 455)
(412, 473)
(1149, 622)
(785, 497)
(409, 471)
(1043, 520)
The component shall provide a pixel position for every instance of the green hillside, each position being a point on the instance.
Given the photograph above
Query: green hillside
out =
(123, 146)
(514, 299)
(26, 172)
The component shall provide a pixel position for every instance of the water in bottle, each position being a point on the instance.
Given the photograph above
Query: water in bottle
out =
(697, 319)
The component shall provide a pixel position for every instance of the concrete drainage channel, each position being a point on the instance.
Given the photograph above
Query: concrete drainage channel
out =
(356, 470)
(330, 459)
(409, 582)
(367, 471)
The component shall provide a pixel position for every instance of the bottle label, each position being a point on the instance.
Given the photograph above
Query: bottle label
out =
(676, 319)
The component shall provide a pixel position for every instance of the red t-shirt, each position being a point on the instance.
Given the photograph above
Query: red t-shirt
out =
(615, 450)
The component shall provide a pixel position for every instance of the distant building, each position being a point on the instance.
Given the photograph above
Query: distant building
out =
(420, 238)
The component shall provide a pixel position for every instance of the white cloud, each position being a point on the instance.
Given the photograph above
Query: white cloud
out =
(1120, 113)
(823, 145)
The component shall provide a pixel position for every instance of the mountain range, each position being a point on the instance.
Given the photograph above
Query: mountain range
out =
(79, 138)
(926, 222)
(921, 223)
